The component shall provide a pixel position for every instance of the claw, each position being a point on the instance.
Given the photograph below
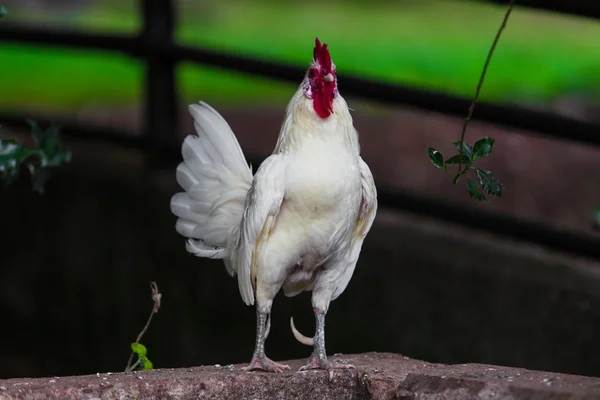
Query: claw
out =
(265, 364)
(324, 363)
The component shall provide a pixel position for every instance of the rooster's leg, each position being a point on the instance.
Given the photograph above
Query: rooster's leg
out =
(318, 359)
(259, 360)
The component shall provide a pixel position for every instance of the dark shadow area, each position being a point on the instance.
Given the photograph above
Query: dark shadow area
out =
(77, 262)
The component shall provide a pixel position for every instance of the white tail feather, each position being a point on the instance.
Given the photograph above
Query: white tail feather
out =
(215, 178)
(200, 249)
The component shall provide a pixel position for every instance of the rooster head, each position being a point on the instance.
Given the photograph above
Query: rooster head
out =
(321, 84)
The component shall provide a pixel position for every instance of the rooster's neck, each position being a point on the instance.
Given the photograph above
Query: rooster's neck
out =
(302, 124)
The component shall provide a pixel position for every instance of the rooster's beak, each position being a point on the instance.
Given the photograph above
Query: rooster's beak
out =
(328, 78)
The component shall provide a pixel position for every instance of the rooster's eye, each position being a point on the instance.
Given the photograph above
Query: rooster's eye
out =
(311, 73)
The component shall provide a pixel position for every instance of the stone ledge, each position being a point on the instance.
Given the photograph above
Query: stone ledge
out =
(378, 376)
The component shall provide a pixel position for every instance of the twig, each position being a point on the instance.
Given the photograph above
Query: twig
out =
(156, 296)
(476, 98)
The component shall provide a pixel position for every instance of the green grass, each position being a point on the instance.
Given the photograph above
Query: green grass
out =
(434, 44)
(60, 80)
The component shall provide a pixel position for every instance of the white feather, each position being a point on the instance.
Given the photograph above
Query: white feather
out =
(366, 216)
(201, 249)
(185, 177)
(185, 228)
(215, 178)
(218, 132)
(262, 206)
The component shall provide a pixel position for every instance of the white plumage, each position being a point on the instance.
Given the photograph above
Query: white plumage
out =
(216, 179)
(297, 224)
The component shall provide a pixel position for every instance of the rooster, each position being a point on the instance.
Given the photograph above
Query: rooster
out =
(298, 223)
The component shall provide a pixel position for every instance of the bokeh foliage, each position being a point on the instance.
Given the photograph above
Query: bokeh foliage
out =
(434, 44)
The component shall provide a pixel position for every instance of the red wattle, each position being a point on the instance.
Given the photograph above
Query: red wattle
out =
(323, 101)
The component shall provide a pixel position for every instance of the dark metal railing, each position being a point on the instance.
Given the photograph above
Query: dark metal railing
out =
(155, 46)
(581, 8)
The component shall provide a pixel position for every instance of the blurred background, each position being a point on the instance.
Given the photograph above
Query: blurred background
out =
(76, 262)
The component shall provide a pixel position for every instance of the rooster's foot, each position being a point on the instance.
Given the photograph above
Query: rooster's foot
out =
(265, 364)
(324, 363)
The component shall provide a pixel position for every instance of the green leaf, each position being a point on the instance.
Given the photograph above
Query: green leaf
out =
(474, 190)
(467, 151)
(12, 154)
(147, 364)
(483, 147)
(36, 132)
(489, 183)
(596, 217)
(456, 160)
(3, 11)
(141, 352)
(435, 157)
(52, 150)
(139, 349)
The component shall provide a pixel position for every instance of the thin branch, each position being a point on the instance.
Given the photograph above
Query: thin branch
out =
(156, 296)
(481, 79)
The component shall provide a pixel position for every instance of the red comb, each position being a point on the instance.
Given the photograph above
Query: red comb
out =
(321, 54)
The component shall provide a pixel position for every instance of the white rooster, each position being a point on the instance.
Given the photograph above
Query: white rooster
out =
(299, 223)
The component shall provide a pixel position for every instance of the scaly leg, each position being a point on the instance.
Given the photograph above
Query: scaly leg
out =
(259, 360)
(318, 359)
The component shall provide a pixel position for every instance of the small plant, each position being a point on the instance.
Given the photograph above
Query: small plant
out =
(142, 360)
(49, 151)
(139, 349)
(467, 154)
(485, 180)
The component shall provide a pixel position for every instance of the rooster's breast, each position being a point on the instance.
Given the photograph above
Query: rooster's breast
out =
(323, 183)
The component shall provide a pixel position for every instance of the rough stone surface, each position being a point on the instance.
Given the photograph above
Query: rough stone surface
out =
(378, 376)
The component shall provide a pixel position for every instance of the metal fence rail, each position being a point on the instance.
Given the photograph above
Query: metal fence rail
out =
(581, 8)
(155, 46)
